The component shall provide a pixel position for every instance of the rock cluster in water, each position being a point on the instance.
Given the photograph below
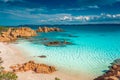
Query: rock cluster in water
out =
(48, 29)
(31, 65)
(112, 74)
(13, 34)
(57, 43)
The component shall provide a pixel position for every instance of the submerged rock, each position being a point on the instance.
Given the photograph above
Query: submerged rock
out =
(57, 43)
(31, 65)
(45, 38)
(42, 56)
(72, 35)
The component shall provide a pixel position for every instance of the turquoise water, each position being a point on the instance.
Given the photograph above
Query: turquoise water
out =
(94, 48)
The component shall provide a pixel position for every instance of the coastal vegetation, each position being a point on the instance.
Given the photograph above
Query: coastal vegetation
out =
(3, 28)
(6, 75)
(57, 78)
(1, 68)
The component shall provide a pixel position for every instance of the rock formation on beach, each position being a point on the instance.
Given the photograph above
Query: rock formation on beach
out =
(112, 74)
(13, 34)
(48, 29)
(31, 65)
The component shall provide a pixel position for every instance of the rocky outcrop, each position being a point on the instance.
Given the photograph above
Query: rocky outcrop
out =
(31, 65)
(24, 32)
(57, 43)
(48, 29)
(112, 74)
(13, 34)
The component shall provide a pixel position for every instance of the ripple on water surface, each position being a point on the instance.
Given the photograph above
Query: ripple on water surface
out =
(92, 53)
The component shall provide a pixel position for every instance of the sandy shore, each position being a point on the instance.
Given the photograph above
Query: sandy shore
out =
(12, 55)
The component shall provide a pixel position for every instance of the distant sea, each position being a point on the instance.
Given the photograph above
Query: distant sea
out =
(92, 50)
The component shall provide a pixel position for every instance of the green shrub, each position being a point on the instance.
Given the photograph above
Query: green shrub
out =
(1, 68)
(57, 78)
(2, 28)
(8, 76)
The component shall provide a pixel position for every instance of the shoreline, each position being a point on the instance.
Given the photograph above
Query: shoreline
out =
(11, 55)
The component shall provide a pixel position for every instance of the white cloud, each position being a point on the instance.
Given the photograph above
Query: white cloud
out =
(83, 8)
(10, 0)
(4, 0)
(81, 18)
(77, 9)
(118, 15)
(94, 6)
(78, 18)
(66, 17)
(56, 18)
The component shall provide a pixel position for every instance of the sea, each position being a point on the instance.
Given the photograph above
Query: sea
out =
(92, 50)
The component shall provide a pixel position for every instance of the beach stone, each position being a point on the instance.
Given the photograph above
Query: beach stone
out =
(114, 67)
(109, 73)
(118, 73)
(113, 78)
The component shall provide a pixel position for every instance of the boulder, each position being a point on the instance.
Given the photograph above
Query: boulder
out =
(31, 65)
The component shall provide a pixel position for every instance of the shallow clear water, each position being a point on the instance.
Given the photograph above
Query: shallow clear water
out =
(94, 48)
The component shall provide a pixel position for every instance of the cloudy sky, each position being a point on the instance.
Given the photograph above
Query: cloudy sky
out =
(16, 12)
